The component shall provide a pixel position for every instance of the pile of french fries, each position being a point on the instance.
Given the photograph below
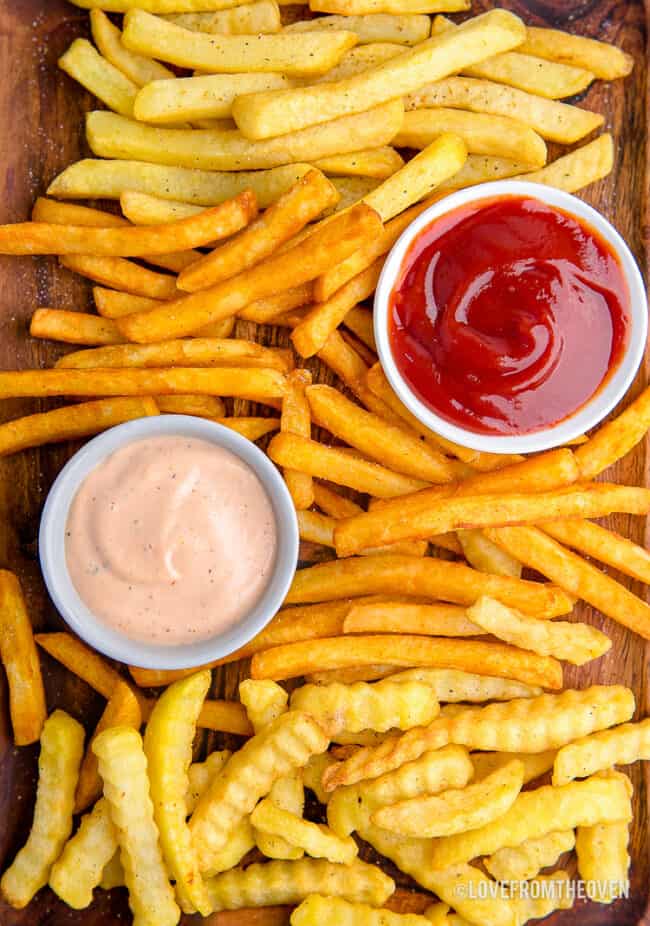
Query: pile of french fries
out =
(265, 186)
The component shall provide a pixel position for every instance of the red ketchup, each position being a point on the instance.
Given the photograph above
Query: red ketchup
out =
(508, 315)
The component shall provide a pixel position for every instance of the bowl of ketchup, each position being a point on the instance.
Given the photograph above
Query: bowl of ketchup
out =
(510, 317)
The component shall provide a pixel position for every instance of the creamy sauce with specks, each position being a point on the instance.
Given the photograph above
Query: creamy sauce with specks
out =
(171, 540)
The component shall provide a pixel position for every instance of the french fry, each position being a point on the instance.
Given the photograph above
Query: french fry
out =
(194, 352)
(395, 7)
(137, 68)
(122, 274)
(615, 439)
(604, 60)
(247, 19)
(114, 304)
(376, 438)
(360, 323)
(438, 161)
(497, 511)
(402, 29)
(262, 885)
(604, 545)
(80, 867)
(231, 54)
(123, 767)
(19, 656)
(442, 620)
(319, 528)
(225, 381)
(482, 169)
(528, 724)
(240, 842)
(524, 862)
(574, 642)
(71, 422)
(203, 406)
(343, 360)
(161, 7)
(62, 741)
(122, 710)
(525, 72)
(295, 659)
(604, 860)
(548, 893)
(575, 575)
(317, 909)
(262, 115)
(74, 327)
(168, 750)
(535, 813)
(251, 428)
(453, 685)
(81, 661)
(113, 874)
(283, 746)
(618, 746)
(455, 811)
(200, 774)
(90, 179)
(317, 840)
(578, 169)
(359, 707)
(482, 133)
(331, 240)
(296, 419)
(225, 716)
(554, 121)
(210, 224)
(378, 163)
(358, 59)
(264, 701)
(84, 63)
(463, 884)
(486, 556)
(279, 223)
(270, 309)
(430, 578)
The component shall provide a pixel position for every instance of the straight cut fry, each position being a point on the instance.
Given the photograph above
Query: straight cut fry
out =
(403, 29)
(435, 620)
(308, 456)
(494, 659)
(19, 657)
(251, 428)
(579, 168)
(161, 7)
(575, 575)
(331, 240)
(249, 18)
(185, 352)
(296, 419)
(396, 7)
(81, 661)
(551, 119)
(124, 275)
(218, 222)
(604, 60)
(603, 545)
(285, 218)
(83, 62)
(482, 133)
(74, 327)
(261, 115)
(232, 381)
(615, 439)
(203, 406)
(284, 53)
(224, 716)
(138, 68)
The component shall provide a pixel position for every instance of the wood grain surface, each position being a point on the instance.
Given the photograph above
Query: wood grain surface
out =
(41, 120)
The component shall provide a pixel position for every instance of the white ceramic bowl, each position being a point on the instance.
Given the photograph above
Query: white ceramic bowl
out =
(109, 641)
(596, 408)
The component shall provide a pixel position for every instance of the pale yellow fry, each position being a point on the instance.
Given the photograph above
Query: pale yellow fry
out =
(300, 56)
(482, 169)
(168, 748)
(526, 72)
(552, 120)
(62, 742)
(574, 642)
(291, 882)
(403, 29)
(318, 841)
(470, 891)
(284, 745)
(138, 68)
(437, 914)
(155, 6)
(312, 776)
(360, 58)
(521, 863)
(535, 763)
(240, 842)
(454, 685)
(247, 19)
(486, 556)
(316, 910)
(455, 811)
(113, 874)
(601, 58)
(83, 62)
(620, 746)
(497, 136)
(263, 115)
(80, 866)
(112, 136)
(362, 7)
(200, 774)
(535, 813)
(578, 169)
(377, 163)
(208, 97)
(604, 860)
(439, 160)
(123, 767)
(547, 894)
(264, 701)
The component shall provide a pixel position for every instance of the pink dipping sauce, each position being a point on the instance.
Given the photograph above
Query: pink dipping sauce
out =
(171, 540)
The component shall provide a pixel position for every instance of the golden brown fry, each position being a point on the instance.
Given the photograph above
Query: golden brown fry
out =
(296, 419)
(604, 545)
(271, 308)
(436, 620)
(486, 556)
(615, 438)
(80, 660)
(319, 528)
(203, 406)
(331, 240)
(251, 428)
(225, 716)
(55, 213)
(575, 575)
(294, 659)
(185, 352)
(351, 676)
(118, 273)
(343, 360)
(74, 327)
(19, 657)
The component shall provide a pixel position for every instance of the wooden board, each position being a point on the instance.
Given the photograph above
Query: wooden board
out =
(41, 120)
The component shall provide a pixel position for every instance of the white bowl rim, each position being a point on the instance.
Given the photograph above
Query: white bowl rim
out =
(595, 409)
(92, 629)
